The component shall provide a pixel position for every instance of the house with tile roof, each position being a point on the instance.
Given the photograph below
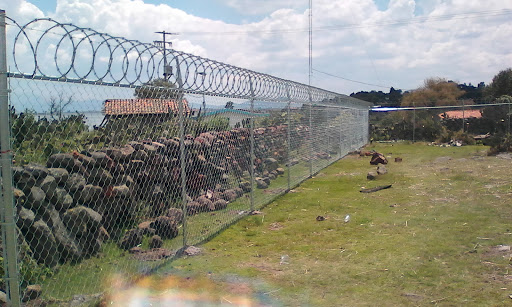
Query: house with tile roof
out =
(144, 106)
(459, 114)
(149, 109)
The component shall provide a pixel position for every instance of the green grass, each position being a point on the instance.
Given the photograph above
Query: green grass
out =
(430, 239)
(427, 240)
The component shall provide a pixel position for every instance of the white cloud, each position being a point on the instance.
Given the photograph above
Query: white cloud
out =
(390, 47)
(251, 7)
(20, 9)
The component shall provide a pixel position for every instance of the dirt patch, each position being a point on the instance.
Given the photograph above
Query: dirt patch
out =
(274, 191)
(347, 174)
(265, 268)
(154, 254)
(498, 250)
(275, 226)
(442, 160)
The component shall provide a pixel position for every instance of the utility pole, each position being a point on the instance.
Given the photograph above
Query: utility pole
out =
(463, 115)
(163, 44)
(203, 75)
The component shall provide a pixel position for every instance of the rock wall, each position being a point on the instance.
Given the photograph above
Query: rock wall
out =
(68, 207)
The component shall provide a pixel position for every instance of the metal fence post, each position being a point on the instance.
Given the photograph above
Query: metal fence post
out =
(289, 137)
(310, 141)
(183, 163)
(9, 237)
(252, 144)
(341, 132)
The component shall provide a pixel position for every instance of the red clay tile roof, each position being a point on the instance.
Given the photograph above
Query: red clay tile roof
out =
(143, 106)
(458, 114)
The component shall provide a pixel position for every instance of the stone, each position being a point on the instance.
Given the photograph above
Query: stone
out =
(192, 251)
(87, 162)
(229, 195)
(101, 158)
(266, 179)
(131, 239)
(90, 245)
(156, 242)
(280, 170)
(61, 175)
(82, 220)
(141, 155)
(150, 149)
(75, 183)
(90, 194)
(220, 204)
(99, 176)
(371, 175)
(121, 191)
(124, 180)
(176, 214)
(136, 145)
(63, 160)
(270, 164)
(61, 199)
(135, 166)
(48, 185)
(35, 199)
(205, 204)
(381, 170)
(66, 244)
(103, 235)
(245, 186)
(378, 158)
(26, 218)
(31, 293)
(126, 152)
(145, 228)
(38, 171)
(19, 197)
(114, 153)
(165, 227)
(43, 244)
(23, 179)
(261, 184)
(239, 192)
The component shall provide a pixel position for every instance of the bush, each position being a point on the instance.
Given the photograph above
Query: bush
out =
(499, 143)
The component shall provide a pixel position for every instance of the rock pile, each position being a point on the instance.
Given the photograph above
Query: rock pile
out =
(53, 217)
(69, 206)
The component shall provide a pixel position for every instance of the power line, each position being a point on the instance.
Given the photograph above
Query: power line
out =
(346, 79)
(397, 22)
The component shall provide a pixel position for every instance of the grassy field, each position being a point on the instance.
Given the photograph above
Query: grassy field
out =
(439, 236)
(433, 238)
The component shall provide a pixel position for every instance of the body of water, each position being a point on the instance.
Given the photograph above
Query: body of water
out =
(91, 118)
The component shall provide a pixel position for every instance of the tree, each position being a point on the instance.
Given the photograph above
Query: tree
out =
(229, 105)
(58, 106)
(157, 88)
(501, 85)
(434, 92)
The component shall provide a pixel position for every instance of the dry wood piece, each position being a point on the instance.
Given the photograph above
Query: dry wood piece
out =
(383, 187)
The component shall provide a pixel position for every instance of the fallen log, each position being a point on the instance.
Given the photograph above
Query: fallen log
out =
(383, 187)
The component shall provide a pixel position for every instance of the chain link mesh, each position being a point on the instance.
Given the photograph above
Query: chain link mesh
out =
(117, 179)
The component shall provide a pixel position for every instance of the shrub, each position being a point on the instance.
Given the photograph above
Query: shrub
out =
(499, 143)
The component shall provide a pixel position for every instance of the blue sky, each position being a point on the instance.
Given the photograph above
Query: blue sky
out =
(379, 43)
(211, 9)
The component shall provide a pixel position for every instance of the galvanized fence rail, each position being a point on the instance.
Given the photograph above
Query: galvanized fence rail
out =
(117, 155)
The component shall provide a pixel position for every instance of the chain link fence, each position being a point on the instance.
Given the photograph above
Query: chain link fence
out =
(108, 168)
